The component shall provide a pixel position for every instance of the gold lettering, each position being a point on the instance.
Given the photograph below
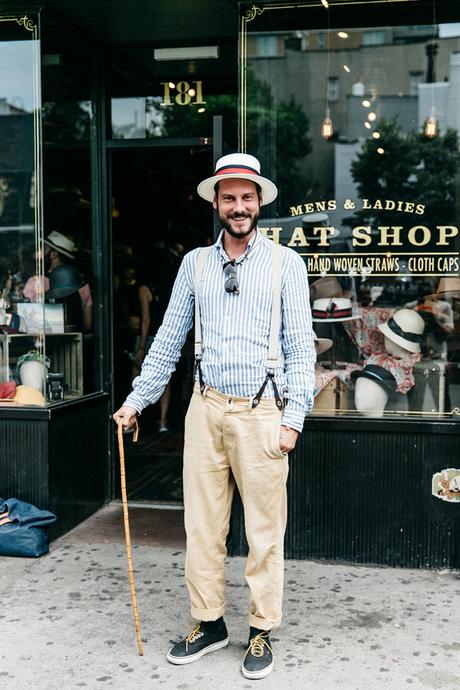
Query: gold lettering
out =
(296, 210)
(390, 205)
(390, 235)
(331, 205)
(272, 234)
(298, 238)
(446, 231)
(409, 208)
(308, 208)
(361, 236)
(324, 233)
(412, 235)
(366, 203)
(420, 209)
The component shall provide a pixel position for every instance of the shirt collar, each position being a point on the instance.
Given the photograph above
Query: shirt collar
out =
(223, 254)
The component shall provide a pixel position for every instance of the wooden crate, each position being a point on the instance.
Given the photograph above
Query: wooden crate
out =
(63, 349)
(333, 398)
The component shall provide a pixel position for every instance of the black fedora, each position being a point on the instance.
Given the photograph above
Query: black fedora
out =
(379, 375)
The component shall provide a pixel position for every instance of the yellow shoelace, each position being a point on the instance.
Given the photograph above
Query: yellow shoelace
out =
(194, 635)
(256, 645)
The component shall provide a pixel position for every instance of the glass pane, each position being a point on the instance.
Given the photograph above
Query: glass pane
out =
(68, 127)
(23, 364)
(359, 129)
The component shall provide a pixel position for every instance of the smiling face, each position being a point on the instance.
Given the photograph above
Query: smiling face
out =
(238, 204)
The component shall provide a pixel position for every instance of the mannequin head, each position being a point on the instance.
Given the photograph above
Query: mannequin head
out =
(394, 349)
(370, 397)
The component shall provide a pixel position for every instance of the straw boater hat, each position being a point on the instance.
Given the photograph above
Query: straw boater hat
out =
(332, 309)
(238, 166)
(405, 328)
(321, 344)
(61, 243)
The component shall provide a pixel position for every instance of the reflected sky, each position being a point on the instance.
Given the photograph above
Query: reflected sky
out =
(16, 70)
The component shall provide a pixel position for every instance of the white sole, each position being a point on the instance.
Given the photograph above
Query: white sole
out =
(179, 660)
(255, 675)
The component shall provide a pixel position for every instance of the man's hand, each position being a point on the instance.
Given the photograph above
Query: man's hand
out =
(288, 438)
(126, 415)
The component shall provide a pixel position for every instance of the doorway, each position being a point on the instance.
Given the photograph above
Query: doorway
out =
(157, 216)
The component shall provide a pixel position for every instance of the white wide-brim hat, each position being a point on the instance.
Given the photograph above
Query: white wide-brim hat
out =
(321, 344)
(331, 309)
(238, 166)
(61, 243)
(405, 328)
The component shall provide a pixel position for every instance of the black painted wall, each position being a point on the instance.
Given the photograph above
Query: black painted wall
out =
(360, 491)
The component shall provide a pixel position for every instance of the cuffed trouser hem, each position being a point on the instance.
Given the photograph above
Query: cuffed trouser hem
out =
(263, 623)
(207, 614)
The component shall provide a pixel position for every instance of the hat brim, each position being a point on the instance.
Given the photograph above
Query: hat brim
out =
(360, 373)
(322, 344)
(406, 344)
(332, 320)
(269, 190)
(59, 249)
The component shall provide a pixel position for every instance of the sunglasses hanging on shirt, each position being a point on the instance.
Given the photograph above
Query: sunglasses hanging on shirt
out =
(231, 277)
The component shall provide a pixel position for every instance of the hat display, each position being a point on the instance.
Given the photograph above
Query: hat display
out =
(379, 375)
(328, 286)
(333, 309)
(322, 344)
(450, 285)
(405, 328)
(238, 166)
(61, 243)
(64, 281)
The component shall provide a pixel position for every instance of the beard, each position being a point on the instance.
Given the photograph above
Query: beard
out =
(237, 232)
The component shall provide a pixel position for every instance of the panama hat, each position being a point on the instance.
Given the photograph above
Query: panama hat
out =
(61, 243)
(239, 166)
(380, 375)
(333, 309)
(405, 328)
(328, 286)
(321, 344)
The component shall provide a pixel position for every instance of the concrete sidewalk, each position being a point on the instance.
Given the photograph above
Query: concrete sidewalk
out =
(67, 621)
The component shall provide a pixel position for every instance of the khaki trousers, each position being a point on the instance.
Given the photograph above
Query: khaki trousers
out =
(226, 441)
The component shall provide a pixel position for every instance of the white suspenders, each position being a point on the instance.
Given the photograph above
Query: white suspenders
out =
(273, 342)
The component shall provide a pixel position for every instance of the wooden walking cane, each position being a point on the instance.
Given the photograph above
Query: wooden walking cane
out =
(124, 501)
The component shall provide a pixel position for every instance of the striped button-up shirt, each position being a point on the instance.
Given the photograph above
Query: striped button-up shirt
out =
(236, 329)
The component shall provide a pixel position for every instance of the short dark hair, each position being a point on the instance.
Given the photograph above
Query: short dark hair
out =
(257, 185)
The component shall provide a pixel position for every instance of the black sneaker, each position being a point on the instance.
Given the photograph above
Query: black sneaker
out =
(199, 642)
(258, 661)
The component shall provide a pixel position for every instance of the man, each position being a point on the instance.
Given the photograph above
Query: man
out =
(236, 428)
(58, 249)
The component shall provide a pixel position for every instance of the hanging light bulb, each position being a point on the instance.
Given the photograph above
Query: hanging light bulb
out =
(431, 125)
(327, 129)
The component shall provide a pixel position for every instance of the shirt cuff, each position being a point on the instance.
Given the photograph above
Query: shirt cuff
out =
(134, 400)
(293, 419)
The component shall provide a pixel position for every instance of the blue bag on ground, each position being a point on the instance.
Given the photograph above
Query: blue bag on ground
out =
(23, 528)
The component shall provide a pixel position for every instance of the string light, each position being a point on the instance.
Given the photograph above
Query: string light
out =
(342, 34)
(327, 129)
(371, 117)
(366, 103)
(367, 125)
(380, 150)
(346, 68)
(376, 135)
(431, 125)
(325, 4)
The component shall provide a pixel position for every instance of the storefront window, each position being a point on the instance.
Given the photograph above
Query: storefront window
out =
(23, 361)
(359, 127)
(46, 217)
